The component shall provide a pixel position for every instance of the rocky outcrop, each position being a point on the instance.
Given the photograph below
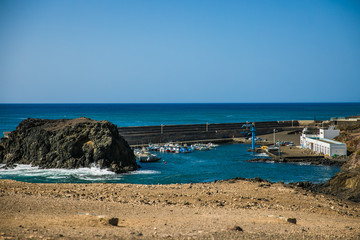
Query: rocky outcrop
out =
(67, 143)
(346, 183)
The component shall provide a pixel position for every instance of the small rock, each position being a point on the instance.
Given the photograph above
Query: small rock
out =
(113, 221)
(237, 228)
(291, 220)
(109, 220)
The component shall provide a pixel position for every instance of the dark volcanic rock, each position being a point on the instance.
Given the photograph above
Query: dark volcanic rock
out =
(67, 143)
(346, 183)
(312, 161)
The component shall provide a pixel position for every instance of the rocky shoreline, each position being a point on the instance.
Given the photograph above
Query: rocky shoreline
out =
(228, 209)
(310, 161)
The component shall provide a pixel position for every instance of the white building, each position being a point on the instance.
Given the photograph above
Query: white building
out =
(329, 133)
(322, 142)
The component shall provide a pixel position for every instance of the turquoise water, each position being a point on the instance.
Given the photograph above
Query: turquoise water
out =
(227, 161)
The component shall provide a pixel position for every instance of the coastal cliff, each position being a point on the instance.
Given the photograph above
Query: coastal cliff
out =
(346, 183)
(67, 143)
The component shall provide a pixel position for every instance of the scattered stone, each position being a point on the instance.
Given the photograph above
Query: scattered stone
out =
(291, 220)
(237, 228)
(113, 221)
(109, 220)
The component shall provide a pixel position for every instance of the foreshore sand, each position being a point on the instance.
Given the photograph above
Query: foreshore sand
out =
(231, 209)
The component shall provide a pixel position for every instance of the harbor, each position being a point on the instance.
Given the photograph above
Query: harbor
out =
(227, 153)
(179, 120)
(283, 145)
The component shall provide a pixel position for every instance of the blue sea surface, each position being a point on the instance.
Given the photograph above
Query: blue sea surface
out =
(227, 161)
(155, 114)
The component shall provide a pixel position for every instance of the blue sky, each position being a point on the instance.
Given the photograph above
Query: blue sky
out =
(73, 51)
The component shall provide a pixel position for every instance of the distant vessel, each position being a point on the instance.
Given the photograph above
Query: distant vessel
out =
(179, 148)
(145, 156)
(150, 158)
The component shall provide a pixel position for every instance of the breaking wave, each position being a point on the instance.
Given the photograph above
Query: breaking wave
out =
(144, 172)
(24, 172)
(261, 155)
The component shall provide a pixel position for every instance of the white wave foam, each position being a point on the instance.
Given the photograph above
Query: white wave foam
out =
(145, 172)
(261, 155)
(92, 174)
(198, 161)
(303, 163)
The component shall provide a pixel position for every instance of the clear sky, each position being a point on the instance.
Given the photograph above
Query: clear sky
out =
(74, 51)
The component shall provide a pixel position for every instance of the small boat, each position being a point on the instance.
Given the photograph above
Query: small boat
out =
(185, 150)
(150, 158)
(145, 156)
(154, 147)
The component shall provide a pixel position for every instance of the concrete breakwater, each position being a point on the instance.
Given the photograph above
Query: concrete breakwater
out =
(294, 155)
(215, 132)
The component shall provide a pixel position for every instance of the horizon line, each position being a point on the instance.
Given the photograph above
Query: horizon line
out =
(175, 102)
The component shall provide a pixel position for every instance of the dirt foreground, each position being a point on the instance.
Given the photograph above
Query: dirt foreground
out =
(232, 209)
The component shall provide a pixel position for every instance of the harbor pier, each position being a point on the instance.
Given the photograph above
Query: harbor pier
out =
(214, 132)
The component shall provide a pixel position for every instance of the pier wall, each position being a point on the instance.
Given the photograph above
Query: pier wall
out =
(196, 132)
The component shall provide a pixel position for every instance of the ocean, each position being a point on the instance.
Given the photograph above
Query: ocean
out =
(227, 161)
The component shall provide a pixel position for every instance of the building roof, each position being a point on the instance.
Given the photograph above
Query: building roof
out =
(327, 141)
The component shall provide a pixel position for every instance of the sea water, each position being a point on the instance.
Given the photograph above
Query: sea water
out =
(226, 161)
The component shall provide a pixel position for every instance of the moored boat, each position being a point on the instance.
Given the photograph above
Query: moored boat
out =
(145, 156)
(150, 158)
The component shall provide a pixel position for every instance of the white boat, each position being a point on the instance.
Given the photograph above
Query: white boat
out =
(145, 156)
(150, 158)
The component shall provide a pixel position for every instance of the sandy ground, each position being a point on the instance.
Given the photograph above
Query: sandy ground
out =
(233, 209)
